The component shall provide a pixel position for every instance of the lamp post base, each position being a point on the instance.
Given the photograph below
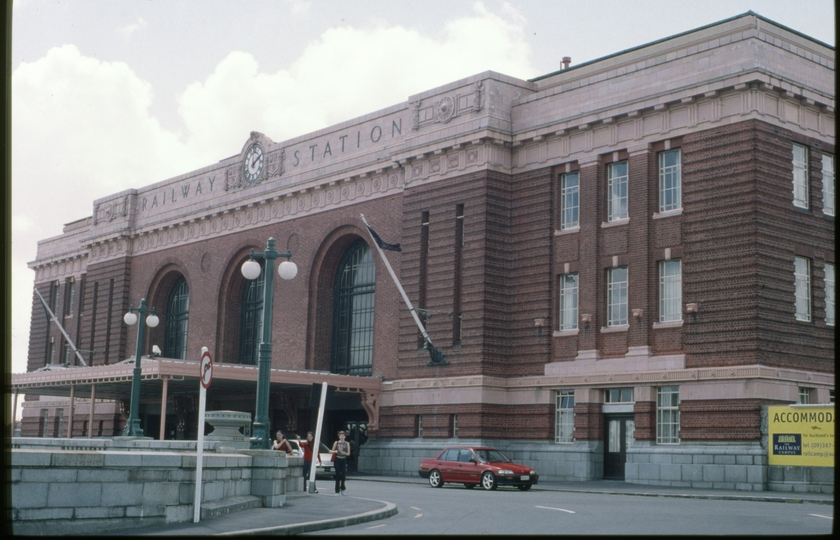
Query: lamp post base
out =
(133, 429)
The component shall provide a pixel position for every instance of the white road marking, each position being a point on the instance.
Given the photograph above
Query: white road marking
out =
(560, 509)
(375, 527)
(418, 515)
(414, 508)
(818, 515)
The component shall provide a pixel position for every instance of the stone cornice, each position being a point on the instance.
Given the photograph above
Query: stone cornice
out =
(476, 388)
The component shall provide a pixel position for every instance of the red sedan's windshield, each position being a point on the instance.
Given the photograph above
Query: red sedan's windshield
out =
(491, 456)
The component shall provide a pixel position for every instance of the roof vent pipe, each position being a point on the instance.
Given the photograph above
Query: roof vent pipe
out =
(566, 61)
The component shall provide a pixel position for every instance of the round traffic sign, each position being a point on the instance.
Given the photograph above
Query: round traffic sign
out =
(205, 373)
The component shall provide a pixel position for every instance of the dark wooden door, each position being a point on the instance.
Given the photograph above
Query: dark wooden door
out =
(618, 435)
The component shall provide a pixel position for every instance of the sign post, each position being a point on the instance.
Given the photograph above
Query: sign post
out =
(205, 376)
(316, 452)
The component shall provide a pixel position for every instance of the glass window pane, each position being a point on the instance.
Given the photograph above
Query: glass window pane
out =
(670, 181)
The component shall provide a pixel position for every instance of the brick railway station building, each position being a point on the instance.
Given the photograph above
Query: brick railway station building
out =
(623, 262)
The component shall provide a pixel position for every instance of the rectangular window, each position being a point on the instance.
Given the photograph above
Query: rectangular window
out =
(802, 277)
(829, 294)
(44, 422)
(568, 302)
(670, 290)
(54, 294)
(618, 395)
(828, 184)
(617, 296)
(617, 191)
(564, 419)
(805, 395)
(454, 424)
(668, 415)
(419, 425)
(800, 176)
(71, 297)
(670, 181)
(424, 274)
(59, 423)
(459, 262)
(570, 201)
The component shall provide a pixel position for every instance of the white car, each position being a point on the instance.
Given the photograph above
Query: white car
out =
(325, 467)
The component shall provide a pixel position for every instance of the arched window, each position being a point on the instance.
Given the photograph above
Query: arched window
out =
(250, 325)
(352, 341)
(177, 319)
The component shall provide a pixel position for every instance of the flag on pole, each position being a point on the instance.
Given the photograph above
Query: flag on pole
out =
(381, 243)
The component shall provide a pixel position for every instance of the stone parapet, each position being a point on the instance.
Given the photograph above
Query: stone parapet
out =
(92, 491)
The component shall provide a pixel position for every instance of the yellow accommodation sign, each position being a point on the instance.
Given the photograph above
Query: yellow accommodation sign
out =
(801, 436)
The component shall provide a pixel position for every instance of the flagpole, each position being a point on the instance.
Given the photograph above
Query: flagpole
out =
(399, 286)
(54, 318)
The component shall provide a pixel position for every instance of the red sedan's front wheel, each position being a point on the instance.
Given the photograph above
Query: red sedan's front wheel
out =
(435, 479)
(488, 481)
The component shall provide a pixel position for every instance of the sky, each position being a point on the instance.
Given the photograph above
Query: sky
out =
(108, 96)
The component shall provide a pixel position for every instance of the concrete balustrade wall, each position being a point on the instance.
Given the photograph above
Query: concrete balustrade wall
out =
(73, 491)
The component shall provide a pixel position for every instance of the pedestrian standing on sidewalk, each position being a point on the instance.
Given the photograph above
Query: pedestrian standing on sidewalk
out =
(309, 449)
(341, 449)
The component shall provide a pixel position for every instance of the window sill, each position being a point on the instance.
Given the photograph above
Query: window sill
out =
(668, 324)
(668, 213)
(617, 328)
(564, 333)
(616, 223)
(571, 230)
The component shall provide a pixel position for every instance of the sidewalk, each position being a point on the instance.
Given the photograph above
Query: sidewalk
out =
(306, 513)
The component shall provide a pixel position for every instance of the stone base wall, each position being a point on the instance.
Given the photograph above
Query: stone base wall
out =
(800, 479)
(739, 466)
(581, 460)
(93, 491)
(734, 466)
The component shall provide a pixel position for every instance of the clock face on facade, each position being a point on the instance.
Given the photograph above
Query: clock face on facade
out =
(254, 161)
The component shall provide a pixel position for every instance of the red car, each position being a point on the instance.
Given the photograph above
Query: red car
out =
(476, 465)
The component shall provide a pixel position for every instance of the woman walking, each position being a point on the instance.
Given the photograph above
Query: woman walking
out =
(341, 449)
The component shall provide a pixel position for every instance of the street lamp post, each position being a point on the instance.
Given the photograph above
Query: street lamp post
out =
(132, 428)
(260, 436)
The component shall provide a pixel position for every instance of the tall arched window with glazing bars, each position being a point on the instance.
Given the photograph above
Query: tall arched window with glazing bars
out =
(177, 320)
(353, 295)
(250, 326)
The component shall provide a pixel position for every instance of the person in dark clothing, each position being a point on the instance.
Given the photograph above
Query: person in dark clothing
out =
(341, 449)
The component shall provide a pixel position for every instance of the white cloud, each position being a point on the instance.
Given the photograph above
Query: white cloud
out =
(129, 29)
(347, 72)
(299, 7)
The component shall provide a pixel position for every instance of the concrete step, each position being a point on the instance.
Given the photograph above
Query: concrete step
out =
(232, 504)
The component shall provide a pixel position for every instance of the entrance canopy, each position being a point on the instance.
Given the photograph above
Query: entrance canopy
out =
(167, 376)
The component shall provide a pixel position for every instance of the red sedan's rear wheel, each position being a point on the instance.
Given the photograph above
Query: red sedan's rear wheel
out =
(435, 479)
